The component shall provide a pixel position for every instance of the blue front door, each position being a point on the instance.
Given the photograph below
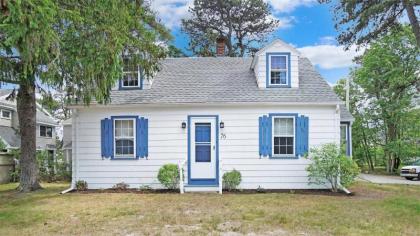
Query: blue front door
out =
(203, 150)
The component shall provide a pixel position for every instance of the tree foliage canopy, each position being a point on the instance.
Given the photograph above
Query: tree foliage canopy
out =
(384, 102)
(74, 46)
(360, 21)
(243, 24)
(78, 45)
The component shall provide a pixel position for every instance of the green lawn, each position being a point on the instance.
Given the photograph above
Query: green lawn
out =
(374, 210)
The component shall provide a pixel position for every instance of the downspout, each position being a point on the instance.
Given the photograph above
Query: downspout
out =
(344, 189)
(74, 168)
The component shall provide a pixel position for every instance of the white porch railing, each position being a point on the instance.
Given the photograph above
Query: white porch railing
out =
(181, 165)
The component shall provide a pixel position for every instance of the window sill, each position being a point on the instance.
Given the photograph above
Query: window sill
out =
(124, 158)
(131, 88)
(278, 86)
(284, 157)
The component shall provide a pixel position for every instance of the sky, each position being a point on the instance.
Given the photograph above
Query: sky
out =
(305, 24)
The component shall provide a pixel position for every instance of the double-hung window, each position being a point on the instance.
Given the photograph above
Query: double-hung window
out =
(283, 136)
(45, 131)
(278, 70)
(131, 75)
(124, 138)
(5, 114)
(344, 138)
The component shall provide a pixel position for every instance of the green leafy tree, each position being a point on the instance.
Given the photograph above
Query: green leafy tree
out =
(242, 24)
(388, 75)
(56, 104)
(175, 52)
(361, 21)
(75, 46)
(330, 166)
(364, 133)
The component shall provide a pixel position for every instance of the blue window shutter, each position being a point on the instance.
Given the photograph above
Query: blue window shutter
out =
(260, 136)
(269, 136)
(302, 135)
(106, 138)
(103, 152)
(141, 137)
(306, 134)
(146, 138)
(110, 137)
(264, 136)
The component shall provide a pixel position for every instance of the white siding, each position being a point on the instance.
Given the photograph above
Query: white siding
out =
(260, 65)
(168, 144)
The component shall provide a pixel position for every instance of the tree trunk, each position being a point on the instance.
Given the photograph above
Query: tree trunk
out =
(413, 19)
(26, 108)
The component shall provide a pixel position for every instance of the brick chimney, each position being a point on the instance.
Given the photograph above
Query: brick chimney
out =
(220, 47)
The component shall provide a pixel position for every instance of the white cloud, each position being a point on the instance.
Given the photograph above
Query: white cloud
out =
(328, 40)
(289, 5)
(330, 56)
(172, 11)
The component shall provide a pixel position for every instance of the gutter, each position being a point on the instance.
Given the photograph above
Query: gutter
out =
(96, 105)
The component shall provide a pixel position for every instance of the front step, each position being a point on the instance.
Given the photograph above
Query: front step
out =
(201, 188)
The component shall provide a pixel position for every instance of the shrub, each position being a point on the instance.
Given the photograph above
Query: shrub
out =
(145, 188)
(121, 186)
(231, 180)
(81, 185)
(169, 176)
(330, 165)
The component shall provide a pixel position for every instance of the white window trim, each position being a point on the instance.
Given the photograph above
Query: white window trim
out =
(4, 117)
(46, 136)
(138, 79)
(128, 137)
(294, 137)
(287, 70)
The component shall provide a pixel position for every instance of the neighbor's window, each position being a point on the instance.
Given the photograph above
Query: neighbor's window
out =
(343, 137)
(130, 74)
(5, 114)
(45, 131)
(284, 136)
(278, 69)
(124, 137)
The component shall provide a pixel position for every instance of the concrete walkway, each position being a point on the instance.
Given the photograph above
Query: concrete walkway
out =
(387, 179)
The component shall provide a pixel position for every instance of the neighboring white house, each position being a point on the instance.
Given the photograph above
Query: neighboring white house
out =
(257, 115)
(67, 137)
(9, 126)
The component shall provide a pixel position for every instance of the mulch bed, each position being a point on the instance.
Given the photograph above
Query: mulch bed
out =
(324, 192)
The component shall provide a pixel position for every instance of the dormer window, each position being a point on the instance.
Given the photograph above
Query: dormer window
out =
(131, 75)
(278, 70)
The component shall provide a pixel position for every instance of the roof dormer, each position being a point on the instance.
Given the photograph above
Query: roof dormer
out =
(276, 66)
(133, 77)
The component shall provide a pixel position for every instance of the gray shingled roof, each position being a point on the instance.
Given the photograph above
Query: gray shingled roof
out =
(5, 92)
(10, 135)
(41, 117)
(222, 80)
(345, 115)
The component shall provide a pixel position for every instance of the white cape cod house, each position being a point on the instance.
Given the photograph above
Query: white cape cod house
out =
(257, 115)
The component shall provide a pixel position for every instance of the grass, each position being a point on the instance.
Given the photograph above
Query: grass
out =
(374, 210)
